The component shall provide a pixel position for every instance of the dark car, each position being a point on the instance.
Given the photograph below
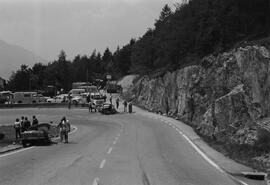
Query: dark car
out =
(37, 134)
(108, 108)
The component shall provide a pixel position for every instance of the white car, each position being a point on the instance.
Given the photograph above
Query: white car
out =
(58, 99)
(77, 100)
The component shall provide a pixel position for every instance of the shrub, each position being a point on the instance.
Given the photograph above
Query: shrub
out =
(263, 142)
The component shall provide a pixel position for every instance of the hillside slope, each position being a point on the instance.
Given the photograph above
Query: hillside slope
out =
(225, 98)
(12, 57)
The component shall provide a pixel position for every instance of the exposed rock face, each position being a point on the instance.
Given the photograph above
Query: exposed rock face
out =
(223, 97)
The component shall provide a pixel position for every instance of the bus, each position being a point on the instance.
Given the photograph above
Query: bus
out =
(27, 97)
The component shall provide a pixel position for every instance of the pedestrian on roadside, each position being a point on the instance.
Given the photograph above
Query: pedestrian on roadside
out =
(22, 124)
(111, 99)
(64, 128)
(17, 127)
(117, 103)
(35, 121)
(88, 99)
(27, 123)
(125, 106)
(69, 100)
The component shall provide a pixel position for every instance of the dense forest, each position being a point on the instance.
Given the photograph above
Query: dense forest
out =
(181, 36)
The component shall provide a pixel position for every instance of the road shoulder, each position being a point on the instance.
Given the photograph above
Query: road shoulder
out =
(227, 165)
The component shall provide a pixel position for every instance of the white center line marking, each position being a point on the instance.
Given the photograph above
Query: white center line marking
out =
(102, 164)
(114, 142)
(95, 182)
(109, 151)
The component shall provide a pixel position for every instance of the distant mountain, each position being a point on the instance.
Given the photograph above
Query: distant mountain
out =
(12, 57)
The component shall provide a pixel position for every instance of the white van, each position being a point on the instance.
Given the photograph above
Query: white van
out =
(27, 97)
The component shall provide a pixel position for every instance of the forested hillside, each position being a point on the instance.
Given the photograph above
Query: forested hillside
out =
(181, 36)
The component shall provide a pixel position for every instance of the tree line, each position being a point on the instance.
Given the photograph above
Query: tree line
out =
(179, 37)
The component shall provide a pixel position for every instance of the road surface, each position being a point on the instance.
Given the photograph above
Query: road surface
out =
(122, 149)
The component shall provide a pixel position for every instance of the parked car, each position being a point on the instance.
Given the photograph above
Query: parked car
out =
(37, 134)
(58, 99)
(107, 109)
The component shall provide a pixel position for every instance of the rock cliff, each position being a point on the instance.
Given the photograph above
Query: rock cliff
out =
(224, 97)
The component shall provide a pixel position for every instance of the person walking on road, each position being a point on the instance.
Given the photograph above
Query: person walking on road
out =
(125, 106)
(117, 103)
(64, 128)
(35, 121)
(17, 127)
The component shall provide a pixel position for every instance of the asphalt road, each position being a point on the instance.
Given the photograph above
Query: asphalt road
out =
(122, 149)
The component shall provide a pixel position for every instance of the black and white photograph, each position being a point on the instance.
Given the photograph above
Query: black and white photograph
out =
(134, 92)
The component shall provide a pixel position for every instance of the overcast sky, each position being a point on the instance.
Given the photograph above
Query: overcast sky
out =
(77, 26)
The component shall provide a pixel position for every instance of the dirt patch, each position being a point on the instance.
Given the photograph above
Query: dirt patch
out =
(9, 135)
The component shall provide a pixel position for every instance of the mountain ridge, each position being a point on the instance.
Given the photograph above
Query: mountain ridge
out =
(13, 56)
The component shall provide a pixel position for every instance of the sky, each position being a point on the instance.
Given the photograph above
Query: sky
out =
(76, 26)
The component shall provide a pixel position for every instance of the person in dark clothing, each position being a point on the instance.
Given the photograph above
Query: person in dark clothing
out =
(35, 121)
(27, 123)
(88, 99)
(125, 106)
(22, 124)
(117, 102)
(17, 127)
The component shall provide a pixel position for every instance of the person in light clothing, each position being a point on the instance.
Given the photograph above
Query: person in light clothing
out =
(64, 128)
(17, 127)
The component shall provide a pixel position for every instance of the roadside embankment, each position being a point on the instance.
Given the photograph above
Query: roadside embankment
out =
(225, 99)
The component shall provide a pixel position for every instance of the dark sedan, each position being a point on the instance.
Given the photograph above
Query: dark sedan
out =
(37, 134)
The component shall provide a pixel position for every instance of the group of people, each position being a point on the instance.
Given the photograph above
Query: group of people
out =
(22, 125)
(117, 102)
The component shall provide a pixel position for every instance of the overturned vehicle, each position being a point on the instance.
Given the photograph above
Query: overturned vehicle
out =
(37, 135)
(107, 109)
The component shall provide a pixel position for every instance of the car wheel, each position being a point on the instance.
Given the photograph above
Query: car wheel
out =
(24, 143)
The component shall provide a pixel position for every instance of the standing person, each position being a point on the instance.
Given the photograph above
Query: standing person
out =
(17, 127)
(88, 99)
(69, 100)
(64, 127)
(125, 106)
(27, 123)
(22, 124)
(35, 121)
(117, 103)
(90, 106)
(111, 99)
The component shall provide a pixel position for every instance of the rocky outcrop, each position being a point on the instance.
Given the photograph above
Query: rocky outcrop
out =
(223, 97)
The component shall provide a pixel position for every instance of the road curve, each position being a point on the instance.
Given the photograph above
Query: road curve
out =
(122, 149)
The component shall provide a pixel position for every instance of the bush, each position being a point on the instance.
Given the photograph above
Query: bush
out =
(2, 136)
(263, 142)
